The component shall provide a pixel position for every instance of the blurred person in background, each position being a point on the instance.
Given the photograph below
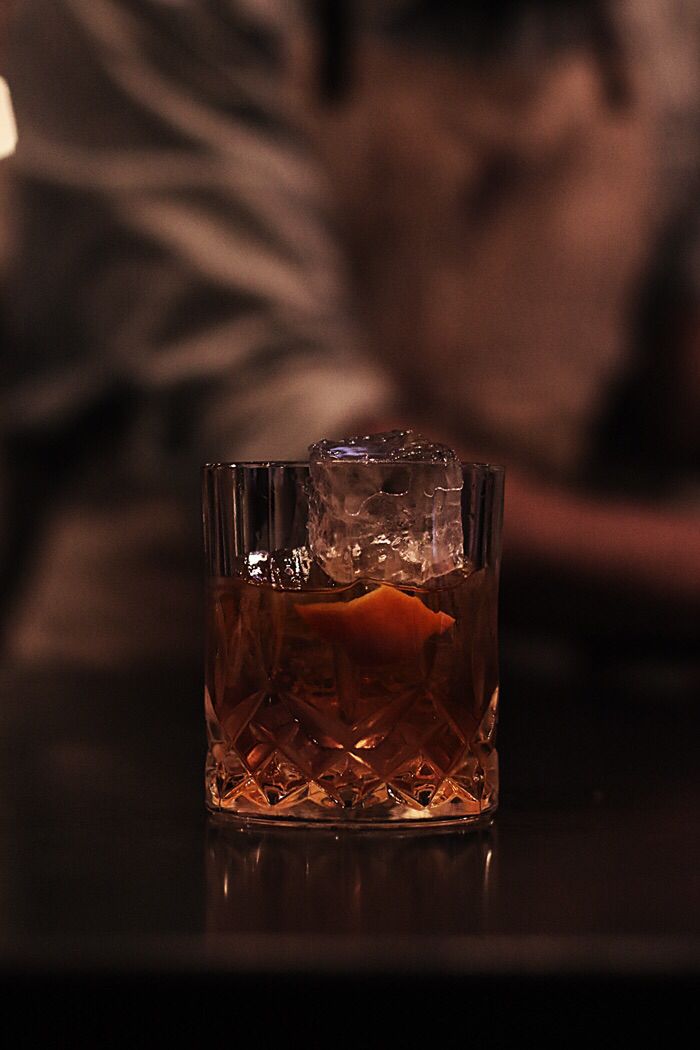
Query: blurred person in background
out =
(523, 211)
(509, 177)
(174, 295)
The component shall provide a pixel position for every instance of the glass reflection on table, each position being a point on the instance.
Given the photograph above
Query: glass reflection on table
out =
(294, 880)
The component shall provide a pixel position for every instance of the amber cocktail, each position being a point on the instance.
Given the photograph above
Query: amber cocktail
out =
(335, 697)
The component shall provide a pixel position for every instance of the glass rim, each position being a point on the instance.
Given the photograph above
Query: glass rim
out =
(295, 464)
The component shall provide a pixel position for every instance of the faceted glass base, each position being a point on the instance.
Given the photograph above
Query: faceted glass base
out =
(419, 796)
(400, 821)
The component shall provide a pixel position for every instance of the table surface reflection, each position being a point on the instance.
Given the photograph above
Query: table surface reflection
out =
(108, 855)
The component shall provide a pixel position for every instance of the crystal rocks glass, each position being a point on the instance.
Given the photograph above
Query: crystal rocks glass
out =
(361, 703)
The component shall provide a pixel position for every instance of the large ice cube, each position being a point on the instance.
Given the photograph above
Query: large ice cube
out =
(385, 506)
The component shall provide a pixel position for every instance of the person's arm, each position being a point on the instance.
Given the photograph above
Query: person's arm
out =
(606, 542)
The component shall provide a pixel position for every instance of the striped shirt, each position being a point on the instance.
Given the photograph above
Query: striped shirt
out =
(174, 239)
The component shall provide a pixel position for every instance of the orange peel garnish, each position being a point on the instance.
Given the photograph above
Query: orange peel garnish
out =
(383, 626)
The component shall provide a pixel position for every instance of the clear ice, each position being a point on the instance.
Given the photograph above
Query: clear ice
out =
(386, 507)
(286, 570)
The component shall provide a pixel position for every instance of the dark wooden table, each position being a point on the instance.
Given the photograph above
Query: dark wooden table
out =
(116, 890)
